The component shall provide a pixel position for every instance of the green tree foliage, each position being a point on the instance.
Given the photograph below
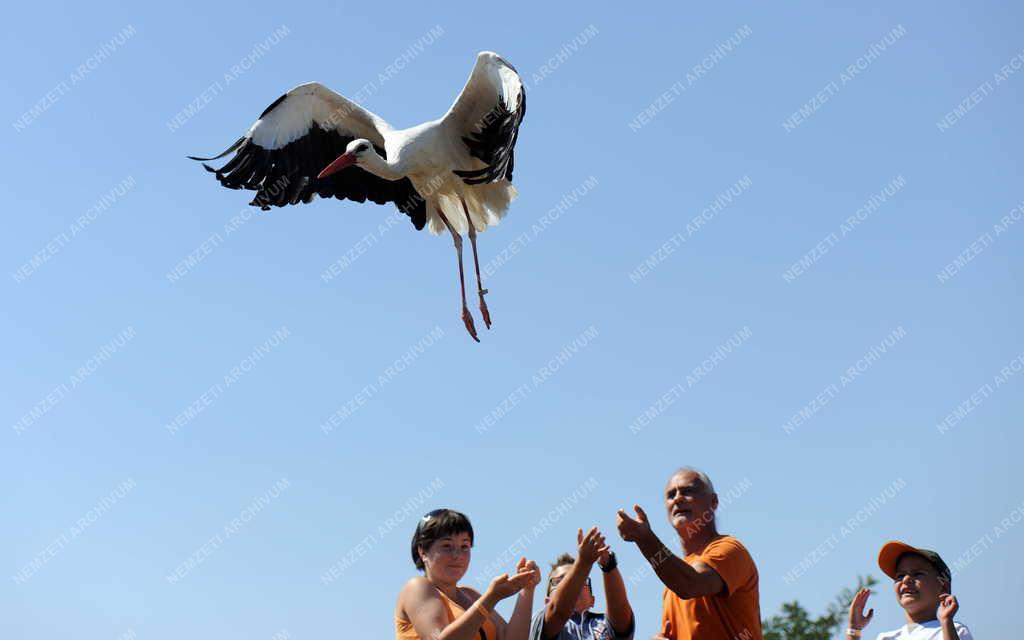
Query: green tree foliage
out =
(795, 623)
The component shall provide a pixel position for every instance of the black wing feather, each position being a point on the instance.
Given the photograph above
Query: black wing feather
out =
(287, 175)
(494, 144)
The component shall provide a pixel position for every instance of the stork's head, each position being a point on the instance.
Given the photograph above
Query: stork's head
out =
(354, 152)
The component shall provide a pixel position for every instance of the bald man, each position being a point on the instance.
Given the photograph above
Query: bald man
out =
(711, 593)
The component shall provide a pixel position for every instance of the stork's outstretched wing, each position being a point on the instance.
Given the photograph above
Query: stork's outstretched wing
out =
(298, 135)
(486, 117)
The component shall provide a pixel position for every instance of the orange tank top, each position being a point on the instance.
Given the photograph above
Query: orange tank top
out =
(405, 631)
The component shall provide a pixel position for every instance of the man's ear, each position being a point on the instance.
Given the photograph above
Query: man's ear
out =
(714, 501)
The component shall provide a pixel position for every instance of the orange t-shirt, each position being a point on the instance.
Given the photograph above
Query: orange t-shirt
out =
(734, 614)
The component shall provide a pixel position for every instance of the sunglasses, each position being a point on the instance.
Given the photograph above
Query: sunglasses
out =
(554, 583)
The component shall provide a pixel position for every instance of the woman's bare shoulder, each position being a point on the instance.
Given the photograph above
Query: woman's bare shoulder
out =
(418, 595)
(417, 588)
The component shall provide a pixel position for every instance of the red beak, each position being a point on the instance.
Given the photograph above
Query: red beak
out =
(343, 161)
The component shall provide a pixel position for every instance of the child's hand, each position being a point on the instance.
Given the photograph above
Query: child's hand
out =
(947, 607)
(590, 546)
(858, 619)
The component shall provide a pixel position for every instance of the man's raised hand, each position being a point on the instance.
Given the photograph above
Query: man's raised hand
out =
(632, 530)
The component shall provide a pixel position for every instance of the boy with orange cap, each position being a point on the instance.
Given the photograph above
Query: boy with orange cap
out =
(923, 585)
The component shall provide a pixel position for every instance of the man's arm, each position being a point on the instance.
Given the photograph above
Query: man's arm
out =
(683, 579)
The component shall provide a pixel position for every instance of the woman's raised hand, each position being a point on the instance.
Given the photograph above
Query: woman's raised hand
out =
(527, 576)
(528, 568)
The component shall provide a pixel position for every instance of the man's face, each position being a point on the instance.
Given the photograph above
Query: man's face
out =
(917, 584)
(584, 600)
(689, 503)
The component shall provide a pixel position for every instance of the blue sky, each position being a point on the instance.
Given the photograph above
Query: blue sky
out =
(731, 220)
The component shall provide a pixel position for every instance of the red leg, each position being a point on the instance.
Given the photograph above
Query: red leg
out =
(476, 263)
(467, 319)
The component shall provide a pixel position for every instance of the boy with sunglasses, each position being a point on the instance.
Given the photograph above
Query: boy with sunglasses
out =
(567, 614)
(923, 586)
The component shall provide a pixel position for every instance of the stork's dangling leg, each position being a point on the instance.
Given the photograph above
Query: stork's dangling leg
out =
(476, 264)
(467, 319)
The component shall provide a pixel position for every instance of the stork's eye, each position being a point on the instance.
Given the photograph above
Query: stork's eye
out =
(361, 148)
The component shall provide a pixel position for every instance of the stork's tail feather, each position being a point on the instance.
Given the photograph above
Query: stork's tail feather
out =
(237, 144)
(487, 204)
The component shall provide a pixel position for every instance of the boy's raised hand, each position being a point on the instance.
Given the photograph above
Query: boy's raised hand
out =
(947, 607)
(589, 545)
(858, 619)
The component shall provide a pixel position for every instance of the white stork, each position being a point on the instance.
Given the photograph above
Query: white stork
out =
(454, 172)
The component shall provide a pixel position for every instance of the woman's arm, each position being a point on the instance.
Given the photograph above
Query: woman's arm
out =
(422, 605)
(519, 624)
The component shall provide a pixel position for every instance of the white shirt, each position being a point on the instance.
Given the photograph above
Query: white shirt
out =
(931, 630)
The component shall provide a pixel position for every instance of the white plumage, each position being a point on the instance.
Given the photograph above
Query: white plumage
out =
(454, 172)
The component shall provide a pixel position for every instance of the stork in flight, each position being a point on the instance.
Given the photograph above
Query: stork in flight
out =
(453, 173)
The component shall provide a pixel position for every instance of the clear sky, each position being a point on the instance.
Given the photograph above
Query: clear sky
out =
(781, 244)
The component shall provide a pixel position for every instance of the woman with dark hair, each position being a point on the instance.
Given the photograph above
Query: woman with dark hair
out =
(434, 607)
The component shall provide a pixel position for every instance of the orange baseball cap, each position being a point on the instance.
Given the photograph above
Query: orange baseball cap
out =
(894, 549)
